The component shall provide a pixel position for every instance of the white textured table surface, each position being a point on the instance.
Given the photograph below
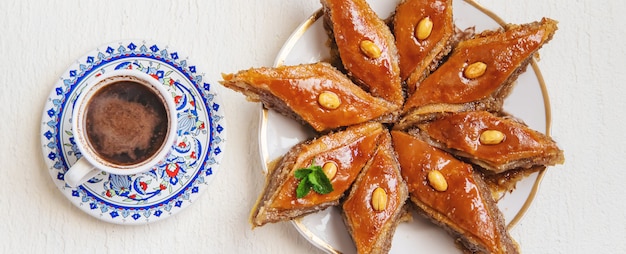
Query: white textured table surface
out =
(579, 207)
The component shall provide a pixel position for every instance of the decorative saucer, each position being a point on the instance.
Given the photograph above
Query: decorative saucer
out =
(170, 186)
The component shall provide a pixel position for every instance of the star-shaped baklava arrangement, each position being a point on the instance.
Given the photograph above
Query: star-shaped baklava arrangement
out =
(408, 116)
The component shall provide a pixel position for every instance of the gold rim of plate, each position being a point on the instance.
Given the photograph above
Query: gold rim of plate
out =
(286, 50)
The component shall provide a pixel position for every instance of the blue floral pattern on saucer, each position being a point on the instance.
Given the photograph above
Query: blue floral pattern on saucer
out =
(175, 182)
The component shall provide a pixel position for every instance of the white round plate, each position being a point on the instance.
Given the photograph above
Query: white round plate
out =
(170, 186)
(325, 229)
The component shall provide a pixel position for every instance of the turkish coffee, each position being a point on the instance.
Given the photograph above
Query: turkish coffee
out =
(126, 122)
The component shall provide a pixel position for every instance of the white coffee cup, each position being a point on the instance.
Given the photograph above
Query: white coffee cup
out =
(124, 123)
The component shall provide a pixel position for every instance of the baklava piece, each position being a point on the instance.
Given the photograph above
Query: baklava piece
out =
(340, 155)
(366, 47)
(375, 204)
(316, 94)
(452, 195)
(424, 32)
(495, 143)
(479, 73)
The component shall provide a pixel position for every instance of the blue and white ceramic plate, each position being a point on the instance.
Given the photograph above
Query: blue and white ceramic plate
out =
(170, 186)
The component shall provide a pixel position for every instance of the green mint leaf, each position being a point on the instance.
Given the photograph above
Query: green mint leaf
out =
(321, 183)
(303, 188)
(312, 177)
(302, 173)
(315, 167)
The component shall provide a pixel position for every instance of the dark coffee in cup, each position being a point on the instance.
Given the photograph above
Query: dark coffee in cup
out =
(126, 122)
(123, 123)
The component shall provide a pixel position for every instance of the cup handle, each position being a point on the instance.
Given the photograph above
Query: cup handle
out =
(80, 172)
